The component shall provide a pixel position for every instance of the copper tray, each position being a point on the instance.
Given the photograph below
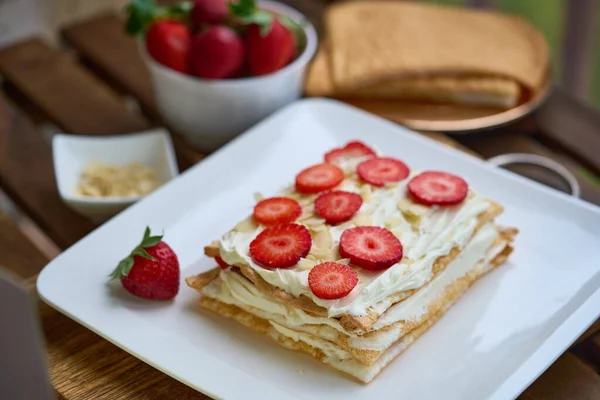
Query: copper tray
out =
(450, 118)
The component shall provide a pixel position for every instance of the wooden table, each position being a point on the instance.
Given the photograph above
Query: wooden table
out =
(96, 84)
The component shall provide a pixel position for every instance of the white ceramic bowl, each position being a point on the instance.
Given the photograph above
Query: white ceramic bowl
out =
(209, 113)
(72, 152)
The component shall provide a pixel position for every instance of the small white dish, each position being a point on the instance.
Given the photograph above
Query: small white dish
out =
(509, 327)
(71, 154)
(209, 113)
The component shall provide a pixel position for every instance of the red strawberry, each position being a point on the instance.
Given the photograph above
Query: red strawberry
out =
(208, 12)
(222, 262)
(370, 247)
(337, 206)
(331, 280)
(379, 171)
(277, 210)
(350, 150)
(151, 270)
(217, 53)
(169, 42)
(281, 246)
(270, 51)
(318, 178)
(438, 188)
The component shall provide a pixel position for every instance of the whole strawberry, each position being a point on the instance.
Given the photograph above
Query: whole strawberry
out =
(271, 50)
(151, 270)
(169, 43)
(205, 12)
(217, 53)
(270, 39)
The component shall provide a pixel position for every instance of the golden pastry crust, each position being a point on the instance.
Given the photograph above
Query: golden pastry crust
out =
(401, 328)
(370, 370)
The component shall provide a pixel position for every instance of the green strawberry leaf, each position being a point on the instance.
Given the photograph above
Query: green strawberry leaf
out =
(141, 14)
(142, 253)
(179, 11)
(261, 18)
(151, 241)
(127, 263)
(146, 234)
(242, 8)
(123, 268)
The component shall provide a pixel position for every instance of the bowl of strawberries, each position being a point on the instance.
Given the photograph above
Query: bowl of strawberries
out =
(220, 66)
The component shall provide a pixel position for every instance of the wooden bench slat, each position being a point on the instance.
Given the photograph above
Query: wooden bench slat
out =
(104, 46)
(17, 253)
(589, 348)
(568, 378)
(572, 127)
(103, 42)
(84, 366)
(27, 176)
(69, 96)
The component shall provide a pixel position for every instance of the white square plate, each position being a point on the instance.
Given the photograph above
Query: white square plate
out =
(499, 337)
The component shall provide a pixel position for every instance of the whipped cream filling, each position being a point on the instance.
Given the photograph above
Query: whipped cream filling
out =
(393, 349)
(333, 352)
(233, 288)
(426, 233)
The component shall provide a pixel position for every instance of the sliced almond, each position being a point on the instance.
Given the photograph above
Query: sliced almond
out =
(412, 211)
(362, 220)
(258, 197)
(307, 212)
(323, 239)
(314, 221)
(366, 192)
(247, 225)
(394, 222)
(305, 264)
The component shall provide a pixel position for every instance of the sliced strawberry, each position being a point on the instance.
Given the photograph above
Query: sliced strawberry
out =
(370, 247)
(438, 188)
(277, 210)
(318, 178)
(281, 246)
(353, 149)
(331, 280)
(222, 262)
(337, 206)
(379, 171)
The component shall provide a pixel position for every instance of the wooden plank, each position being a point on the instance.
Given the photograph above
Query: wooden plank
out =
(589, 348)
(103, 45)
(68, 95)
(27, 176)
(102, 42)
(568, 378)
(17, 253)
(495, 143)
(578, 46)
(83, 366)
(572, 127)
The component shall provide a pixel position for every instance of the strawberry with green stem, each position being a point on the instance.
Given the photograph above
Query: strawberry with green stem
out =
(168, 38)
(151, 270)
(271, 40)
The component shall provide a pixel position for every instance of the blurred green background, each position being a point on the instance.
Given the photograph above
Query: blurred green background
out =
(547, 15)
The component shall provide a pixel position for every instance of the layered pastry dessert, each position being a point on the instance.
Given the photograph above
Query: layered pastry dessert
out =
(355, 260)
